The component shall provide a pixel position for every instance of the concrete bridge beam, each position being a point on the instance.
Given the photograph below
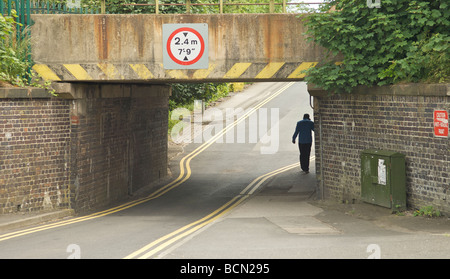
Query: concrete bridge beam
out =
(129, 48)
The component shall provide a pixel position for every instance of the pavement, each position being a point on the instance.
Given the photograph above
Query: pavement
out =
(285, 220)
(20, 220)
(314, 212)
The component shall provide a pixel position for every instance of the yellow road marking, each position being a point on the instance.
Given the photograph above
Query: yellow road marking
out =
(158, 192)
(195, 226)
(177, 235)
(205, 145)
(169, 242)
(261, 180)
(145, 248)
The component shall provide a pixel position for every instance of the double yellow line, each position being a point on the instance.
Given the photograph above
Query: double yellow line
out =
(185, 173)
(185, 161)
(158, 245)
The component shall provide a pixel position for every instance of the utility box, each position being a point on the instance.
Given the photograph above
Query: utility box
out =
(383, 178)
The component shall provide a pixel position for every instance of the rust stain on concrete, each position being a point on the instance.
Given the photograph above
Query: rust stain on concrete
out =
(101, 36)
(123, 40)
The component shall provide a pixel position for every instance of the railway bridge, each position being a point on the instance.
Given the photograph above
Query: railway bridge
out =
(172, 48)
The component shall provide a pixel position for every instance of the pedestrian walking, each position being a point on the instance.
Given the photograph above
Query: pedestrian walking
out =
(303, 130)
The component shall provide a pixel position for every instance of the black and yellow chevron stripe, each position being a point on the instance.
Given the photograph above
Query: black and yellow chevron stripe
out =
(130, 71)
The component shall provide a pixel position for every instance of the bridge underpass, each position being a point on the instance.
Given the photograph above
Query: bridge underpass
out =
(112, 117)
(113, 69)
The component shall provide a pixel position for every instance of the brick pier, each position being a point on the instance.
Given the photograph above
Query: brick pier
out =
(396, 118)
(88, 148)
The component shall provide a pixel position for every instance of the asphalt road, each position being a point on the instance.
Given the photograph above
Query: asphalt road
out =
(210, 179)
(236, 192)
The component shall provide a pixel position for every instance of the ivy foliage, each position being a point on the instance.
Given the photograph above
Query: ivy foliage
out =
(401, 41)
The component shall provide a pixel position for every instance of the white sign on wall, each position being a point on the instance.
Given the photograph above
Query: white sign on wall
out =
(381, 172)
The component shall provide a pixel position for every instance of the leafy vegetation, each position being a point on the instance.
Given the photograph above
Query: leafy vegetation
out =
(13, 53)
(118, 7)
(428, 211)
(185, 94)
(402, 41)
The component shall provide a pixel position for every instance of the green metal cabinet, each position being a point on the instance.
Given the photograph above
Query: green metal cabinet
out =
(383, 178)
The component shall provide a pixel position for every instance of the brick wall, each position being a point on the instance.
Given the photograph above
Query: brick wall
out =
(398, 118)
(34, 141)
(85, 150)
(119, 142)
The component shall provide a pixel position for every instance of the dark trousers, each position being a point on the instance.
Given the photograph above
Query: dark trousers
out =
(305, 152)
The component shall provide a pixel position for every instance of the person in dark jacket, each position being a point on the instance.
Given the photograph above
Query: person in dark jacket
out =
(303, 130)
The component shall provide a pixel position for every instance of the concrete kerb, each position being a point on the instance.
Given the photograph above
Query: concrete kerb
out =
(16, 221)
(382, 217)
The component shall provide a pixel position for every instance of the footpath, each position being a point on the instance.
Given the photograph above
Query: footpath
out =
(405, 222)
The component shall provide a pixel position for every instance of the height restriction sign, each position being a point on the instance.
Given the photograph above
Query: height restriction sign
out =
(440, 123)
(185, 46)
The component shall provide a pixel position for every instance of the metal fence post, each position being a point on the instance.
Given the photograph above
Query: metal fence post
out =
(28, 9)
(22, 14)
(188, 6)
(28, 23)
(9, 7)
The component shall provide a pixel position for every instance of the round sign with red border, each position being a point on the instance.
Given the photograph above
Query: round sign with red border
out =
(185, 46)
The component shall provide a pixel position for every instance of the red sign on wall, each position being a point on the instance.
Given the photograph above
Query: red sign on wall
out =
(440, 123)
